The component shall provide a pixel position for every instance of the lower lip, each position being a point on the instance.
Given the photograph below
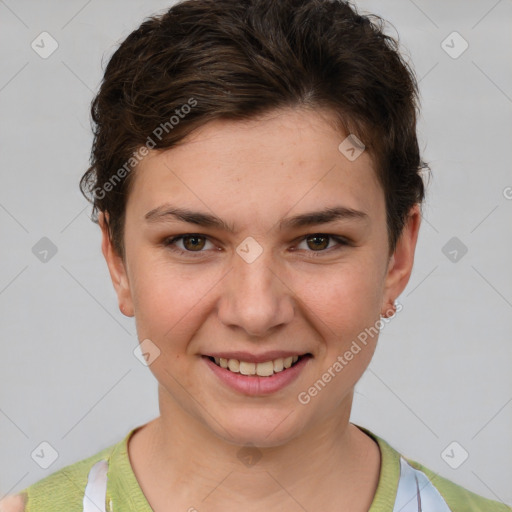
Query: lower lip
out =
(254, 385)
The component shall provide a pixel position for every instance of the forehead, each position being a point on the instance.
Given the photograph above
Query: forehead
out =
(289, 159)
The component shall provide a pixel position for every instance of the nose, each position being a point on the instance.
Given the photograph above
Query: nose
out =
(256, 297)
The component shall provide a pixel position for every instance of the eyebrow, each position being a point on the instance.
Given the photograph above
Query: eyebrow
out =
(164, 212)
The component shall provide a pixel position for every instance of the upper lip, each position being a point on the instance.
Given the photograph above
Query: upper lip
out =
(257, 358)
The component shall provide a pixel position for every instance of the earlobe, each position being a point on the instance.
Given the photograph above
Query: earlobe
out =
(116, 267)
(401, 261)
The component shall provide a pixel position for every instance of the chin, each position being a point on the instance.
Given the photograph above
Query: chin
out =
(255, 428)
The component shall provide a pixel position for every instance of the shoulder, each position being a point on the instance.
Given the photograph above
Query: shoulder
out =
(405, 481)
(62, 490)
(14, 503)
(458, 498)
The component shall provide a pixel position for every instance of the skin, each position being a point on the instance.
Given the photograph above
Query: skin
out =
(14, 503)
(252, 175)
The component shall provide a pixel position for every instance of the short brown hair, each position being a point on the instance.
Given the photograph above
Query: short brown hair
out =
(238, 59)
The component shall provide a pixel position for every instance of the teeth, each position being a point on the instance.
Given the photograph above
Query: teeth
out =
(279, 365)
(247, 368)
(234, 365)
(266, 369)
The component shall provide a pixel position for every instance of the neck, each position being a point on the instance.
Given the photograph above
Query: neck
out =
(176, 459)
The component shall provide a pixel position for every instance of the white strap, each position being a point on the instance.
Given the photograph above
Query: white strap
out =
(96, 488)
(416, 493)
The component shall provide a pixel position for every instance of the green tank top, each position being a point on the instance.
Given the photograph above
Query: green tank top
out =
(106, 482)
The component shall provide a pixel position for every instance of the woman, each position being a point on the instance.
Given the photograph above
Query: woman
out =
(256, 177)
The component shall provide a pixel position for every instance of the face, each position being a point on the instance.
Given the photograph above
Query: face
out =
(236, 273)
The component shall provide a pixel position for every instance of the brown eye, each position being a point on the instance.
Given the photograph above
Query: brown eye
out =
(319, 244)
(193, 242)
(319, 241)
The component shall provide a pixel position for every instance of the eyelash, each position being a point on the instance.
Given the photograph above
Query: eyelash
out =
(170, 244)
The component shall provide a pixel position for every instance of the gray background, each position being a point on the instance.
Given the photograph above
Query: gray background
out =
(441, 372)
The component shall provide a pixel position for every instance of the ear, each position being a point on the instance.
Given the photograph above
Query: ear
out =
(116, 267)
(401, 261)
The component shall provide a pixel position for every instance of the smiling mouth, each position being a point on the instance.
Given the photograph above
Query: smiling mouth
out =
(265, 369)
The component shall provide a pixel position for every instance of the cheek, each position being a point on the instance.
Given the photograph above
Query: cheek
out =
(168, 298)
(345, 299)
(344, 307)
(172, 301)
